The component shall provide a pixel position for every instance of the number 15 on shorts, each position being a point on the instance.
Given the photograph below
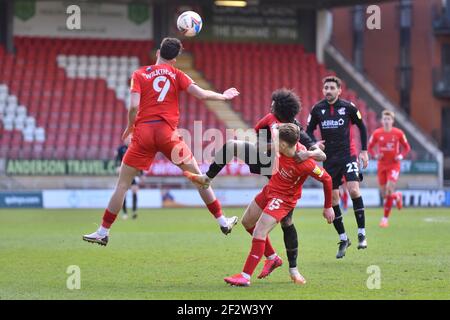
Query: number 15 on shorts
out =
(275, 204)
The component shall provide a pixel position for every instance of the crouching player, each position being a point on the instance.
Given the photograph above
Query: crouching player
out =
(276, 200)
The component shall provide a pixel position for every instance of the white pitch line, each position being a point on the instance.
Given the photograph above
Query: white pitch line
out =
(437, 219)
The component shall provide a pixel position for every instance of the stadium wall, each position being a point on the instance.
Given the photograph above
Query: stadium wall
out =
(97, 20)
(174, 198)
(382, 57)
(99, 174)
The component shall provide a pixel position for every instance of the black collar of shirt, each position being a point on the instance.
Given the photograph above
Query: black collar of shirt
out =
(336, 103)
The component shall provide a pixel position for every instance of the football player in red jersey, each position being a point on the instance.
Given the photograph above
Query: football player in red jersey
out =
(388, 139)
(277, 199)
(284, 108)
(153, 118)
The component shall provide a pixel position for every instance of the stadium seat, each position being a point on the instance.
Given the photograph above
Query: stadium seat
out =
(81, 86)
(28, 134)
(252, 73)
(39, 134)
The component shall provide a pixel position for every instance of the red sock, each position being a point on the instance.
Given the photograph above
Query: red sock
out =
(108, 219)
(269, 250)
(215, 208)
(389, 200)
(254, 256)
(345, 200)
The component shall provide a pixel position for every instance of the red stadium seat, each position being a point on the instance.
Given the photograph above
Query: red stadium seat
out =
(83, 118)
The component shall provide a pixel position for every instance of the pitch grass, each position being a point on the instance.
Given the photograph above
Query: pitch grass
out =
(181, 254)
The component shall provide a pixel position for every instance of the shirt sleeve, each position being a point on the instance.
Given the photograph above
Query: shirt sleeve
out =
(405, 145)
(356, 118)
(184, 81)
(262, 123)
(135, 85)
(305, 139)
(372, 143)
(311, 168)
(312, 124)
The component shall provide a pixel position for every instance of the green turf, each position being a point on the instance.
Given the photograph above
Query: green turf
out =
(181, 254)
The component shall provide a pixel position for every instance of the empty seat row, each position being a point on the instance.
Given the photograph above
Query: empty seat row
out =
(70, 106)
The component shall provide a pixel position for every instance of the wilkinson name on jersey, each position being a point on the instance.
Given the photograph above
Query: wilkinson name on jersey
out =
(159, 72)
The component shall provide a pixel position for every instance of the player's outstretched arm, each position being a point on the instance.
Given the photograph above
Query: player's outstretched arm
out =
(312, 124)
(373, 141)
(314, 152)
(203, 94)
(321, 175)
(356, 118)
(405, 148)
(327, 182)
(312, 147)
(364, 156)
(135, 99)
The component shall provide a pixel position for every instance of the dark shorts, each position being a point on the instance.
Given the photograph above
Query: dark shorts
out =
(254, 160)
(134, 182)
(347, 167)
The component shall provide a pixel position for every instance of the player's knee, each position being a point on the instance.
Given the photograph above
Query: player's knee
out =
(354, 192)
(335, 198)
(260, 233)
(286, 222)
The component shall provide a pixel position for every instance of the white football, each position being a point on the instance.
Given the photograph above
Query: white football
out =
(189, 23)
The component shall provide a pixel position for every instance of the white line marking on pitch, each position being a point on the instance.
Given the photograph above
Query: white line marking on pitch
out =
(437, 219)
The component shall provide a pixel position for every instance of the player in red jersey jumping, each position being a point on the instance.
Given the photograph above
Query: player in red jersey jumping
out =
(153, 119)
(277, 199)
(388, 138)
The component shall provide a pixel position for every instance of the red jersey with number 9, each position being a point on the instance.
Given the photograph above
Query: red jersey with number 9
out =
(159, 87)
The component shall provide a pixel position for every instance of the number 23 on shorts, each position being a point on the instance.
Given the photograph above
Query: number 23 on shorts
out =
(352, 167)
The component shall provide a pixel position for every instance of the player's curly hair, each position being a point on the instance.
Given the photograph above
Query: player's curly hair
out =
(170, 48)
(285, 104)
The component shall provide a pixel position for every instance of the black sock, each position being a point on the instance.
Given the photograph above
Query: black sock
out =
(134, 202)
(124, 205)
(291, 244)
(337, 222)
(214, 170)
(358, 207)
(221, 158)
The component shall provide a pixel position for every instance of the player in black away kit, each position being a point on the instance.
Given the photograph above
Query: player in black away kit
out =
(285, 106)
(335, 118)
(134, 184)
